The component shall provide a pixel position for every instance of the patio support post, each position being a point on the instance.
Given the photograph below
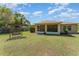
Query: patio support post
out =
(45, 28)
(59, 28)
(36, 28)
(77, 28)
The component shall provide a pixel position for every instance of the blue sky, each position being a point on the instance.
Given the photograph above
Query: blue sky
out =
(36, 12)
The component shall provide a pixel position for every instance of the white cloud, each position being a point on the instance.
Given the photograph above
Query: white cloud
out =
(37, 13)
(25, 13)
(26, 4)
(61, 4)
(29, 5)
(54, 10)
(20, 9)
(69, 15)
(11, 5)
(69, 10)
(63, 12)
(58, 7)
(49, 8)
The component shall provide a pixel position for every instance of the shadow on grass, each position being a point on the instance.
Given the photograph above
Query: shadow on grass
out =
(15, 38)
(3, 33)
(65, 35)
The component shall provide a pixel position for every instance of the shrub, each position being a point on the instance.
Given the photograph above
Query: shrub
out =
(32, 30)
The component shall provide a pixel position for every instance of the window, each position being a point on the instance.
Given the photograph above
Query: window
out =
(52, 28)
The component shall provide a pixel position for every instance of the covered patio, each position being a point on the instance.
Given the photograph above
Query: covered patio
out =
(48, 28)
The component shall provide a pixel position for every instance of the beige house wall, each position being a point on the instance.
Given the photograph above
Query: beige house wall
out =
(73, 28)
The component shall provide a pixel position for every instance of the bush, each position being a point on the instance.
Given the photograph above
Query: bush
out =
(32, 30)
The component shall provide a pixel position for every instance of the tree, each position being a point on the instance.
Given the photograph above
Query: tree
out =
(21, 20)
(6, 17)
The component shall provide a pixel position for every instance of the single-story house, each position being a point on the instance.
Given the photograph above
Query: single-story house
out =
(55, 27)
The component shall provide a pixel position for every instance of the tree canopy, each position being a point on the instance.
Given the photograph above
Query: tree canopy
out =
(7, 17)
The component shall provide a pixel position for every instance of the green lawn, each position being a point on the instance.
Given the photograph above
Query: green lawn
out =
(35, 44)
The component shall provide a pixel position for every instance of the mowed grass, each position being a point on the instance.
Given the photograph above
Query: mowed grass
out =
(40, 45)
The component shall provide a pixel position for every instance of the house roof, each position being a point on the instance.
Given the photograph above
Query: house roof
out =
(69, 23)
(49, 22)
(55, 22)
